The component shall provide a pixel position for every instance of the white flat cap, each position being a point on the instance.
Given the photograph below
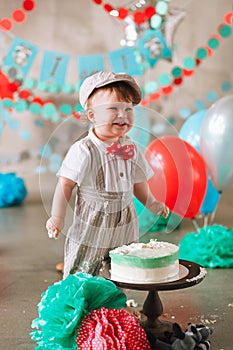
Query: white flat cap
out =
(100, 79)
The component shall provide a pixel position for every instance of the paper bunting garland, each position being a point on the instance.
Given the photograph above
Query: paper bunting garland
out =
(18, 94)
(51, 157)
(20, 57)
(152, 46)
(166, 82)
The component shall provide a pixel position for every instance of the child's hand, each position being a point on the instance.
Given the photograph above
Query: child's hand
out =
(166, 211)
(54, 226)
(53, 233)
(159, 208)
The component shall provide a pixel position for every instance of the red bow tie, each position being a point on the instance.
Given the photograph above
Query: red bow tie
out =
(116, 149)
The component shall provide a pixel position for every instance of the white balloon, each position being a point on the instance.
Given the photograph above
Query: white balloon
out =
(216, 142)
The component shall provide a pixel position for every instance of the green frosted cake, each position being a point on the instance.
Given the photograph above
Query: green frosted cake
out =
(151, 262)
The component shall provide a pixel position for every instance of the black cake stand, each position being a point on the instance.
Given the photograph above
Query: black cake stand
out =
(190, 274)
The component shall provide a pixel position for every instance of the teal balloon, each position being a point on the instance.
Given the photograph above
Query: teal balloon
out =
(191, 129)
(211, 199)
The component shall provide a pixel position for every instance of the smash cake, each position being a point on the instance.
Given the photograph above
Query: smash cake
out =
(151, 262)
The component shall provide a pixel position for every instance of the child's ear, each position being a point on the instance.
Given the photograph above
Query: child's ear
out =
(91, 115)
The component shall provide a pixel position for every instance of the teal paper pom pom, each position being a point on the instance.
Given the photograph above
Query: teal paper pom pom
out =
(12, 190)
(65, 304)
(211, 247)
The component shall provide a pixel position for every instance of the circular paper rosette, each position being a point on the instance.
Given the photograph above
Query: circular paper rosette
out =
(211, 247)
(111, 329)
(64, 305)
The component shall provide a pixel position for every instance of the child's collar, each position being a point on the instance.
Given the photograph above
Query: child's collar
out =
(122, 140)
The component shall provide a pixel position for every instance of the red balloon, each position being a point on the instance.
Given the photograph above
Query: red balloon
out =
(180, 176)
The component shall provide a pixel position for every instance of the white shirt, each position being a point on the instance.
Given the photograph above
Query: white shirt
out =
(80, 166)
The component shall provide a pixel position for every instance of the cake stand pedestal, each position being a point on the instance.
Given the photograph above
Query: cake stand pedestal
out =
(190, 274)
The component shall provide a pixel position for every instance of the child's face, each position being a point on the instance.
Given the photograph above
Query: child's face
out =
(111, 118)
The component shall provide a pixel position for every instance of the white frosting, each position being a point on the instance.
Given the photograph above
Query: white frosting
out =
(125, 272)
(137, 275)
(147, 250)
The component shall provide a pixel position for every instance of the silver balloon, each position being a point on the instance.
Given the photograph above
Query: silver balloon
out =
(216, 142)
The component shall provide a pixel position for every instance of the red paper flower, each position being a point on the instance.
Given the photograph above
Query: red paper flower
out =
(111, 329)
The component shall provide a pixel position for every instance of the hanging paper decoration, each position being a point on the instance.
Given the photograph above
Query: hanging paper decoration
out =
(177, 74)
(141, 16)
(89, 64)
(137, 17)
(121, 60)
(18, 15)
(152, 46)
(20, 56)
(54, 67)
(124, 60)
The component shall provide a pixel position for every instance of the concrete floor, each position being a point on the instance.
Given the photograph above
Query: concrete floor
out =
(28, 258)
